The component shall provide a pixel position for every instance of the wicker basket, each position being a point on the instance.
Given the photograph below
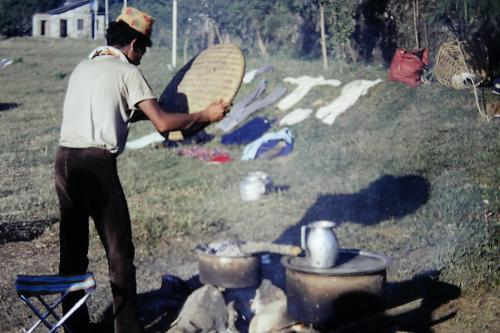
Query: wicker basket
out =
(216, 73)
(461, 64)
(492, 107)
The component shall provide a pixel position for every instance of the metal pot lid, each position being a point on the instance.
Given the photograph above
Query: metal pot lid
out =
(349, 262)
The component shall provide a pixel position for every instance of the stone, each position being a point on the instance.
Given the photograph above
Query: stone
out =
(270, 310)
(265, 294)
(204, 311)
(272, 317)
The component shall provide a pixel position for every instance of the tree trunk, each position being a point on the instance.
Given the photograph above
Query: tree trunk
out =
(209, 33)
(186, 44)
(174, 34)
(352, 52)
(262, 46)
(217, 32)
(415, 22)
(323, 38)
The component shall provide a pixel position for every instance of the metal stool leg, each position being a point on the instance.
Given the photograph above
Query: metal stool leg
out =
(52, 307)
(50, 311)
(70, 312)
(35, 310)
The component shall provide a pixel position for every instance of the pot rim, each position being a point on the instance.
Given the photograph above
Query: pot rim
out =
(385, 262)
(200, 251)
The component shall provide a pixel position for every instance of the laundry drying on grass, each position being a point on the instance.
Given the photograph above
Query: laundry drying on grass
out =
(144, 141)
(269, 145)
(240, 112)
(205, 154)
(350, 94)
(304, 85)
(295, 117)
(247, 133)
(5, 62)
(251, 75)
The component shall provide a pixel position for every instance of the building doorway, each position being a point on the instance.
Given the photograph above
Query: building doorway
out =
(43, 27)
(63, 28)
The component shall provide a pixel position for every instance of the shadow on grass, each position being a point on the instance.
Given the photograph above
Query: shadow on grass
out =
(8, 106)
(434, 294)
(385, 198)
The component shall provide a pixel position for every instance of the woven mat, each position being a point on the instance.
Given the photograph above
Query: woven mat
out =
(215, 73)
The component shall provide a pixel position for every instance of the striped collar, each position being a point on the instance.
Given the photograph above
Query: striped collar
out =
(108, 51)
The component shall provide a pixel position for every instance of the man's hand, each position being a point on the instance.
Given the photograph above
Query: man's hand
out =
(216, 111)
(165, 122)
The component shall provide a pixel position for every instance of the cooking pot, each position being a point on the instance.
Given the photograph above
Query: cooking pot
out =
(239, 271)
(333, 296)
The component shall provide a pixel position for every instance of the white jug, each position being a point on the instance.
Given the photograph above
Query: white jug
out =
(322, 246)
(251, 188)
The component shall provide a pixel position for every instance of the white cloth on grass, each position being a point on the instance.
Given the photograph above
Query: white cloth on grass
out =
(350, 94)
(5, 62)
(144, 141)
(249, 76)
(305, 84)
(295, 117)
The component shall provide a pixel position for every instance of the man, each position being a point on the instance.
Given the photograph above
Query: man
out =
(104, 93)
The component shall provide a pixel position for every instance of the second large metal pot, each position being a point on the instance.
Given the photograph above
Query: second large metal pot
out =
(330, 297)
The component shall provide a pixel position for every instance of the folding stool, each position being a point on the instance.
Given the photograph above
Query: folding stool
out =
(28, 286)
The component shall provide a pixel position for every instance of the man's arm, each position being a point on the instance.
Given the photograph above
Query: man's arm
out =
(165, 122)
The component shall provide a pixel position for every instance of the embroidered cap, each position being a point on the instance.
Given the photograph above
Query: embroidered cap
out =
(137, 20)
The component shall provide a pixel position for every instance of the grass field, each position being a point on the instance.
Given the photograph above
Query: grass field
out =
(411, 173)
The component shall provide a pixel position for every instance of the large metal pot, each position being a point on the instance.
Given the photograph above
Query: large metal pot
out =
(229, 271)
(330, 297)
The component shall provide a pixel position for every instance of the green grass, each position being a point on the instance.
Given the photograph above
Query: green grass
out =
(432, 132)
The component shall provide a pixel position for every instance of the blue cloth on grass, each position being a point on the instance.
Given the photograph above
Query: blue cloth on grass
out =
(268, 149)
(249, 132)
(267, 142)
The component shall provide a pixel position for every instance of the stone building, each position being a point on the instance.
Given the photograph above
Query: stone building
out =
(75, 19)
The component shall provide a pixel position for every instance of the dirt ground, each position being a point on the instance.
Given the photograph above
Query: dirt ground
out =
(444, 309)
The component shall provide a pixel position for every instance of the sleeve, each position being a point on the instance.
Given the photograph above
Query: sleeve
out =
(137, 88)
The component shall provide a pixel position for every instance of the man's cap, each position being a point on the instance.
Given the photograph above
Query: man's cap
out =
(137, 20)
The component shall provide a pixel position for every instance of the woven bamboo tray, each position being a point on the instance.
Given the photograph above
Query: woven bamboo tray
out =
(461, 64)
(215, 73)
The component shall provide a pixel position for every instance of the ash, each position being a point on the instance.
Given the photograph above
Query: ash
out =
(229, 248)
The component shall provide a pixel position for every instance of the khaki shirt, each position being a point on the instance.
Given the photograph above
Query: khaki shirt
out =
(102, 93)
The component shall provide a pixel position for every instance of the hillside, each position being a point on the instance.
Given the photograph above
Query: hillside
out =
(408, 172)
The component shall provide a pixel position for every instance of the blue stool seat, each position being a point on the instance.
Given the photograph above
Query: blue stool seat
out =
(29, 286)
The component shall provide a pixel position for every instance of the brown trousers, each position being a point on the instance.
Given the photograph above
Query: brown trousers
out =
(87, 185)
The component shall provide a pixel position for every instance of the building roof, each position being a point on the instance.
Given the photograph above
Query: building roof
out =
(70, 5)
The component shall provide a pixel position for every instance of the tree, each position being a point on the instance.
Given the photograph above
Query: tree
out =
(341, 23)
(16, 16)
(465, 16)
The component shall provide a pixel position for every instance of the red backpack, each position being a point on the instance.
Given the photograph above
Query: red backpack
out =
(407, 66)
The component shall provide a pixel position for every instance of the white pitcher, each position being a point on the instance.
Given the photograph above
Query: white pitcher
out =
(251, 188)
(322, 246)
